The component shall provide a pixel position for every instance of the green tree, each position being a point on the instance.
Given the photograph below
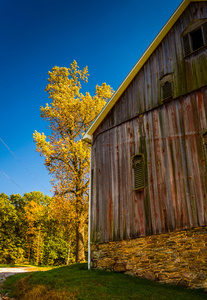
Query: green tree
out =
(35, 212)
(11, 244)
(32, 232)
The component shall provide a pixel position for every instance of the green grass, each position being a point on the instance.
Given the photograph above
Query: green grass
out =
(12, 266)
(76, 282)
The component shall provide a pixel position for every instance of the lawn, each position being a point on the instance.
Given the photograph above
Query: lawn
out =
(36, 268)
(76, 282)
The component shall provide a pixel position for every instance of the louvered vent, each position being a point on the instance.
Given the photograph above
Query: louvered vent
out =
(204, 136)
(138, 166)
(167, 90)
(186, 43)
(205, 32)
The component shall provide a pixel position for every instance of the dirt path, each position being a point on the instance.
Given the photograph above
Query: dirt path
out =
(5, 272)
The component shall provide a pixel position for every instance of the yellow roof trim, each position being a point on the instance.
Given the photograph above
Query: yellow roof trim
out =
(88, 135)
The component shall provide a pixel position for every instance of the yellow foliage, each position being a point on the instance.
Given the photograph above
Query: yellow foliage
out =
(70, 114)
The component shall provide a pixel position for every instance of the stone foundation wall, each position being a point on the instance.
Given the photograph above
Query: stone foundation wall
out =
(175, 258)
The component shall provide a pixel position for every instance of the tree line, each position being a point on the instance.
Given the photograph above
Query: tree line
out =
(33, 230)
(43, 230)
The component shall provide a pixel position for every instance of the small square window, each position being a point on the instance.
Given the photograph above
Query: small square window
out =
(195, 38)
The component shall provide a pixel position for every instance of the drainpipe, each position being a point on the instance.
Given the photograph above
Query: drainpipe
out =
(89, 216)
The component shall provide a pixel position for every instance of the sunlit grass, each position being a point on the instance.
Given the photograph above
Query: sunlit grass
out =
(42, 267)
(76, 282)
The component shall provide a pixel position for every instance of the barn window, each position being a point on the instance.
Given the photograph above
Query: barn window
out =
(167, 90)
(138, 166)
(166, 83)
(197, 39)
(195, 36)
(204, 137)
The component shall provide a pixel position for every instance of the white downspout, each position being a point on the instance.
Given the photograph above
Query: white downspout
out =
(89, 216)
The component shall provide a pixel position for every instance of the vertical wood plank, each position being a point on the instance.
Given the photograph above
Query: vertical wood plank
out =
(170, 135)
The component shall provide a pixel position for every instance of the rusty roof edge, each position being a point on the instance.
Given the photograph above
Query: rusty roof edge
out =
(163, 32)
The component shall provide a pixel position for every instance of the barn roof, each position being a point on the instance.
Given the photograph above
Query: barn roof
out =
(88, 135)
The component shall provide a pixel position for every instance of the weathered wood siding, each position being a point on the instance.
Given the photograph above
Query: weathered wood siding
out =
(169, 136)
(175, 196)
(189, 73)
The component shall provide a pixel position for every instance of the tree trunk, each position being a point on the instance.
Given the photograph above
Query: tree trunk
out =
(68, 253)
(80, 253)
(38, 249)
(29, 252)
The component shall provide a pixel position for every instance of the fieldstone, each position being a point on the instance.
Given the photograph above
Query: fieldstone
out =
(178, 261)
(130, 265)
(139, 254)
(139, 271)
(156, 261)
(169, 263)
(170, 243)
(173, 270)
(149, 276)
(188, 247)
(173, 281)
(201, 276)
(119, 267)
(174, 276)
(184, 283)
(150, 242)
(190, 254)
(174, 255)
(189, 275)
(184, 240)
(96, 254)
(102, 246)
(161, 256)
(203, 251)
(144, 260)
(93, 263)
(151, 246)
(106, 263)
(162, 277)
(160, 249)
(184, 265)
(131, 273)
(205, 284)
(198, 238)
(166, 252)
(123, 242)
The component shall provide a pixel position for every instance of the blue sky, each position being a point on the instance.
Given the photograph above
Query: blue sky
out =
(107, 36)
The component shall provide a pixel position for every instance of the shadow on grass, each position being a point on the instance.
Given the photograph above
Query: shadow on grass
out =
(76, 282)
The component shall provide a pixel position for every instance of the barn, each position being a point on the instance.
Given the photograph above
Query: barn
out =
(148, 194)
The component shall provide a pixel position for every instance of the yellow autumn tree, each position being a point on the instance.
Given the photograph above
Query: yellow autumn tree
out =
(67, 157)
